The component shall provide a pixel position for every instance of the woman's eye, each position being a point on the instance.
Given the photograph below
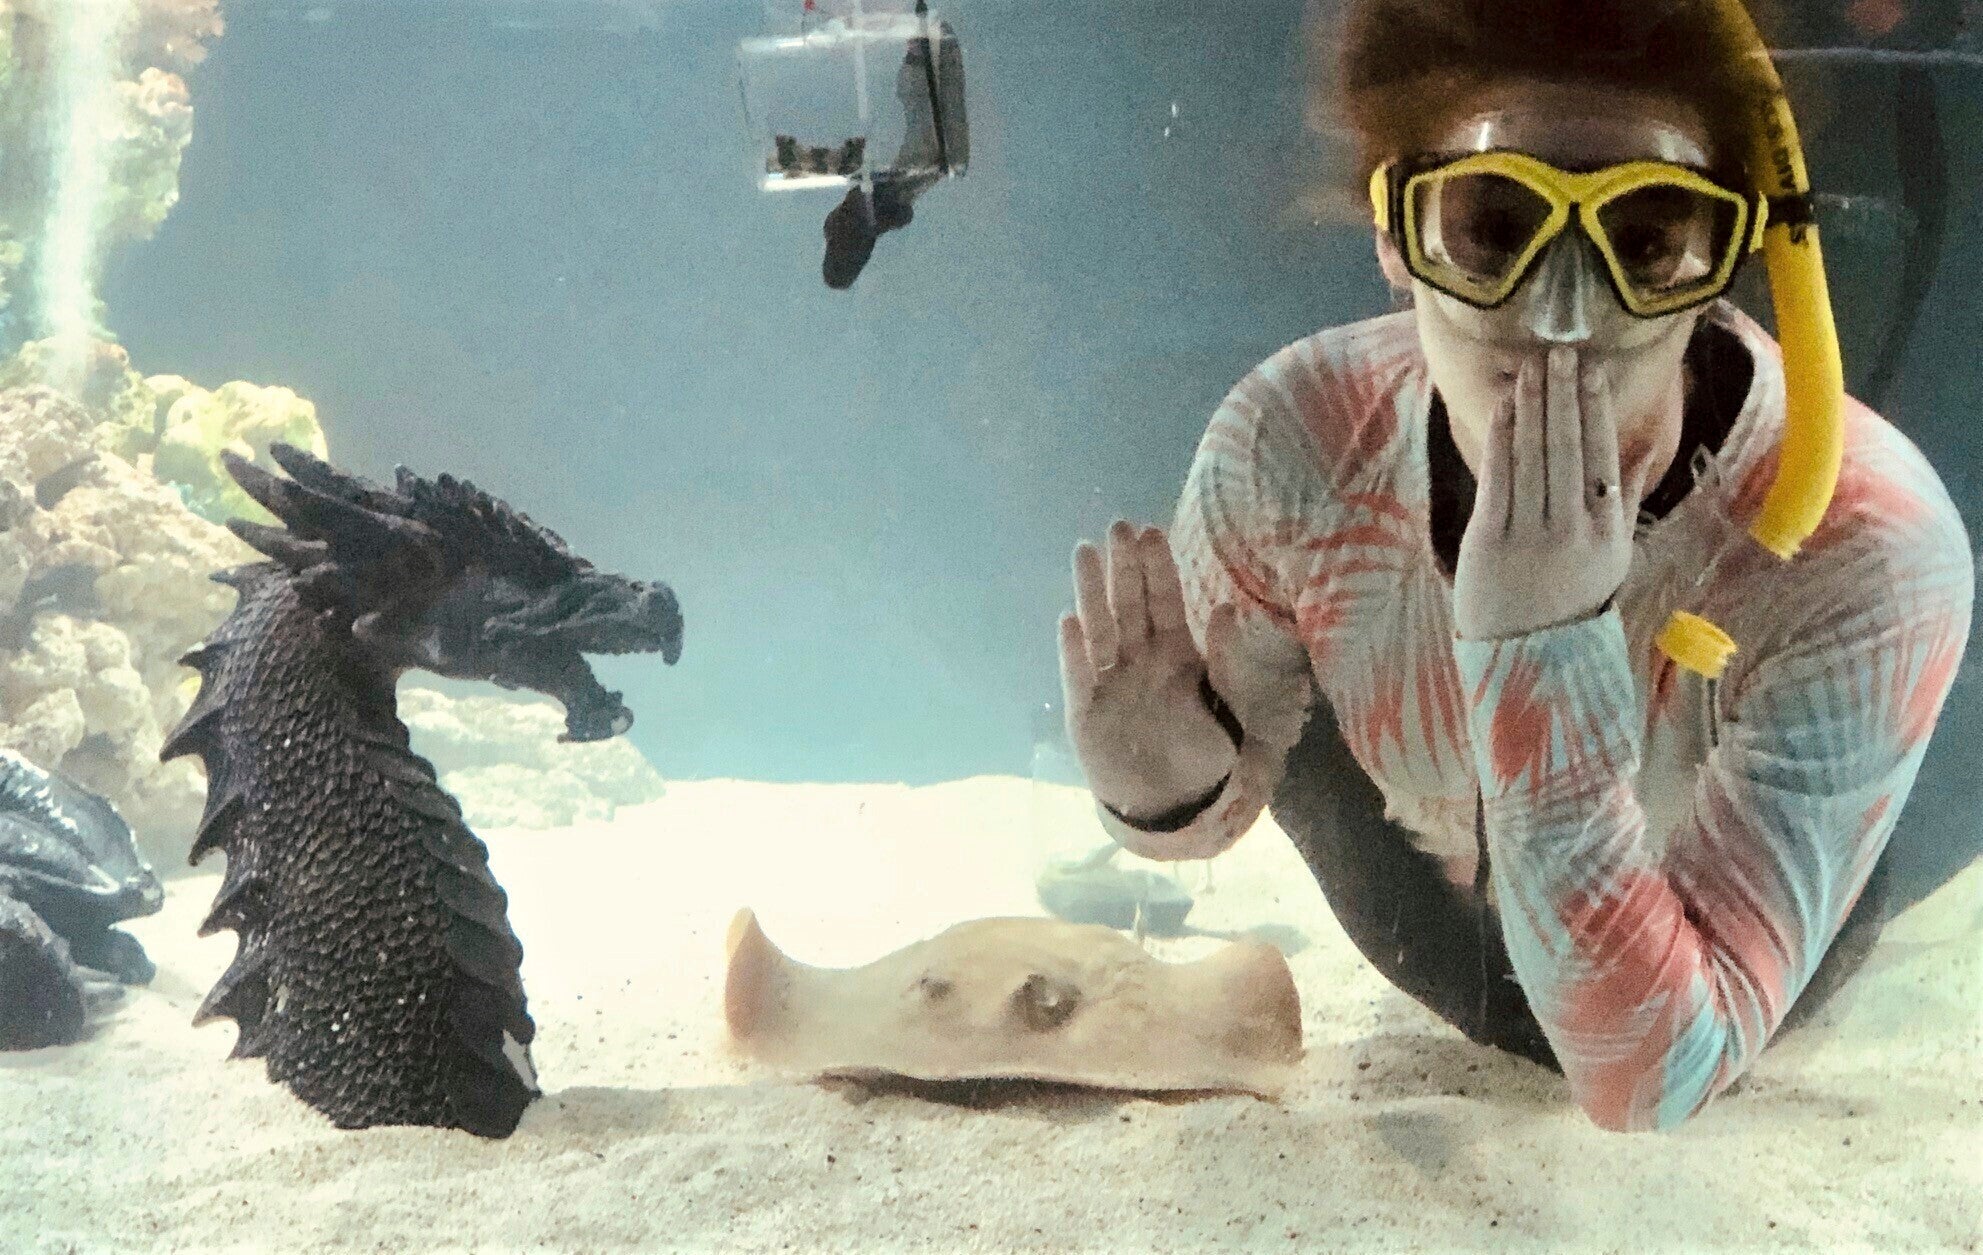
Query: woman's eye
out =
(1643, 246)
(1502, 232)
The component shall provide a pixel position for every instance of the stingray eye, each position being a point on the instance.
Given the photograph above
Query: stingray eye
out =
(935, 988)
(1044, 1003)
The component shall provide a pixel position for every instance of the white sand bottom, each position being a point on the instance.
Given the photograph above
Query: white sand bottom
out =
(1862, 1133)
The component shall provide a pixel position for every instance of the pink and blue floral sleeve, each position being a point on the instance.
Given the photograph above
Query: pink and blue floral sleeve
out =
(1244, 523)
(1659, 970)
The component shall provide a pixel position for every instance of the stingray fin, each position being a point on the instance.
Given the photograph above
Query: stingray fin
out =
(756, 973)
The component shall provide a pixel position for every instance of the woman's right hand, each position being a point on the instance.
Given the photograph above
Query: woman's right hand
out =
(1131, 676)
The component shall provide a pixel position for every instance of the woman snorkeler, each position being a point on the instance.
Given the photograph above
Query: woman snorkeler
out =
(1411, 595)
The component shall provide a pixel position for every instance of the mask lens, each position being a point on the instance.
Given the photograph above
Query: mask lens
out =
(1475, 229)
(1668, 240)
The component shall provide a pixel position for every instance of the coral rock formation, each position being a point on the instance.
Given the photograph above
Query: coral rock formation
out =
(102, 588)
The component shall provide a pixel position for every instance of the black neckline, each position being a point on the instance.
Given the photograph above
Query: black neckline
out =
(1722, 373)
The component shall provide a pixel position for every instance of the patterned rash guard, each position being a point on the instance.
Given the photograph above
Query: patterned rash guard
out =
(1669, 857)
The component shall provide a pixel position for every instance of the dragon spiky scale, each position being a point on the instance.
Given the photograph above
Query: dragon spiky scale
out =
(472, 521)
(376, 986)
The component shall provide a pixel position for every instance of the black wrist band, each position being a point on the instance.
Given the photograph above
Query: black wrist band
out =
(1181, 816)
(1220, 711)
(1177, 817)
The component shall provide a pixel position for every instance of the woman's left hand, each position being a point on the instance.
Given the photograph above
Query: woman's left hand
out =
(1550, 539)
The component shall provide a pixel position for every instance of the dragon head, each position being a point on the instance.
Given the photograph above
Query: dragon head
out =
(439, 575)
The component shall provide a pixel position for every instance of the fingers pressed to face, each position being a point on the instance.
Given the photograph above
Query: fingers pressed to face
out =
(1564, 435)
(1091, 604)
(1601, 460)
(1517, 447)
(1161, 580)
(1528, 458)
(1126, 592)
(1221, 624)
(1077, 673)
(1493, 495)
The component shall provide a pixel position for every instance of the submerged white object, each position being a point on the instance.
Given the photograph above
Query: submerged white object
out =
(1034, 999)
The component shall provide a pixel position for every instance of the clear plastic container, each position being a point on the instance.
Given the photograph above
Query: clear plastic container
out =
(854, 92)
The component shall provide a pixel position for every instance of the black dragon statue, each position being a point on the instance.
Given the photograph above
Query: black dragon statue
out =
(377, 973)
(69, 872)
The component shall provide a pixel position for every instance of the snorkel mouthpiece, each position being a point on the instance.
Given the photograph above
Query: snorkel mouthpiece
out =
(1814, 378)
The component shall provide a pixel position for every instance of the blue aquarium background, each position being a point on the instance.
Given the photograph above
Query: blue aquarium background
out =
(524, 243)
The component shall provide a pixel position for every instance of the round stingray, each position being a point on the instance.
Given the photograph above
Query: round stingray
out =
(1038, 999)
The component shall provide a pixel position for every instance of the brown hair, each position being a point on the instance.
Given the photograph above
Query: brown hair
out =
(1387, 66)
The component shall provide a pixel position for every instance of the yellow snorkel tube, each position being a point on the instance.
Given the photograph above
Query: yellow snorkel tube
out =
(1814, 377)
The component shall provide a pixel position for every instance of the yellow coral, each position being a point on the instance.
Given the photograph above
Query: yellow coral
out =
(243, 417)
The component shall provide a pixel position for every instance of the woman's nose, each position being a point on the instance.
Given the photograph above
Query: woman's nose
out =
(1557, 300)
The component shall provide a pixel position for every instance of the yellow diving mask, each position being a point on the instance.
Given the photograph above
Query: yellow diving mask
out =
(1474, 226)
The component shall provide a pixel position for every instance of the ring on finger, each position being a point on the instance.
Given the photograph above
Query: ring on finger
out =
(1603, 488)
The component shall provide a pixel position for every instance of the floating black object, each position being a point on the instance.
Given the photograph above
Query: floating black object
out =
(935, 146)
